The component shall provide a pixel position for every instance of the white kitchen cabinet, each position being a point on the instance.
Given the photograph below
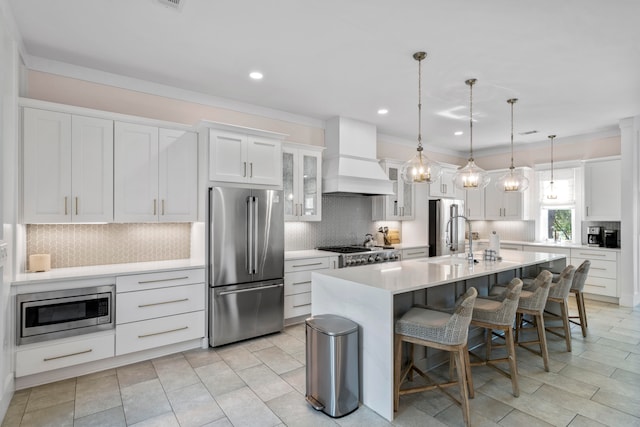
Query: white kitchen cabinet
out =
(474, 204)
(445, 187)
(155, 174)
(301, 182)
(156, 309)
(506, 206)
(297, 283)
(68, 168)
(244, 158)
(413, 253)
(602, 190)
(399, 206)
(603, 273)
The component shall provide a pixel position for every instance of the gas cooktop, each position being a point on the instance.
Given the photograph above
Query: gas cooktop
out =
(352, 249)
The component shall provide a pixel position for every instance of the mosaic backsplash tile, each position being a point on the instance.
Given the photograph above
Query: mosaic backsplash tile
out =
(75, 245)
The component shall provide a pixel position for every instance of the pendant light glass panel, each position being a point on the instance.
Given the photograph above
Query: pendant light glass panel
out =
(471, 176)
(512, 181)
(420, 169)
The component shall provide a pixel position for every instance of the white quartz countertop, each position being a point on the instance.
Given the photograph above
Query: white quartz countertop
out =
(97, 271)
(568, 245)
(411, 275)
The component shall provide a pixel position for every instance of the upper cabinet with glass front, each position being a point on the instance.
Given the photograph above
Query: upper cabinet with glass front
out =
(602, 190)
(399, 206)
(301, 181)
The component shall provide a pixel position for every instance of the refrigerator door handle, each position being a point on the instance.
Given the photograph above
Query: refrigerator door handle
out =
(257, 288)
(254, 244)
(250, 235)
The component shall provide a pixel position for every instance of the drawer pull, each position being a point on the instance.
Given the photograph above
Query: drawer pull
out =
(163, 302)
(301, 305)
(48, 359)
(163, 332)
(596, 286)
(301, 283)
(144, 282)
(415, 253)
(593, 254)
(598, 268)
(307, 265)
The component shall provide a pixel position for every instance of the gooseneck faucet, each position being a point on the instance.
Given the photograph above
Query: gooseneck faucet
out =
(454, 232)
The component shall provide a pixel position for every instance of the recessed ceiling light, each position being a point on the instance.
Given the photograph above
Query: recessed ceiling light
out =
(383, 111)
(256, 75)
(458, 133)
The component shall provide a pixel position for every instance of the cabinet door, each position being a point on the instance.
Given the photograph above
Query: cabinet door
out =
(264, 158)
(289, 175)
(228, 157)
(310, 188)
(47, 166)
(512, 205)
(602, 194)
(136, 173)
(474, 204)
(177, 175)
(92, 169)
(407, 191)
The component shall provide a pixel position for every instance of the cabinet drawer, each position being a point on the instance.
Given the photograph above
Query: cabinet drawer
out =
(306, 264)
(138, 282)
(55, 356)
(297, 283)
(143, 305)
(601, 286)
(511, 247)
(599, 268)
(137, 336)
(297, 305)
(592, 254)
(415, 253)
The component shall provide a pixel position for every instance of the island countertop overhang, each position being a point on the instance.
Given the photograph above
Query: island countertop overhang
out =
(407, 276)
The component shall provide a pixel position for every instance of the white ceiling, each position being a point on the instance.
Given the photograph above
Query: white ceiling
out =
(573, 64)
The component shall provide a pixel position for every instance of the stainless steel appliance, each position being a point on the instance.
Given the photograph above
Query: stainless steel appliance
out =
(57, 314)
(354, 255)
(441, 239)
(246, 263)
(593, 236)
(610, 238)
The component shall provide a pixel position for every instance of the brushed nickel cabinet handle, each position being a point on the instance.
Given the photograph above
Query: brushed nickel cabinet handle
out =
(48, 359)
(596, 286)
(251, 170)
(155, 206)
(301, 305)
(244, 172)
(162, 207)
(301, 283)
(66, 212)
(144, 282)
(598, 268)
(76, 206)
(163, 332)
(162, 303)
(307, 265)
(594, 254)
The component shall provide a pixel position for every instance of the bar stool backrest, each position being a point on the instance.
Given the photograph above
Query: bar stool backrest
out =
(580, 276)
(507, 312)
(561, 288)
(541, 286)
(457, 328)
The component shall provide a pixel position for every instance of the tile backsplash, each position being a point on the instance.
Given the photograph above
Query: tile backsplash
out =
(75, 245)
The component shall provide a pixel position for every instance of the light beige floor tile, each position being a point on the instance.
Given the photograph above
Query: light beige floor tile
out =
(300, 356)
(571, 385)
(96, 395)
(219, 378)
(278, 360)
(223, 422)
(294, 411)
(113, 417)
(288, 343)
(297, 331)
(297, 379)
(629, 404)
(264, 382)
(201, 357)
(362, 416)
(410, 416)
(626, 376)
(580, 421)
(175, 373)
(52, 416)
(609, 343)
(51, 395)
(144, 400)
(13, 416)
(517, 418)
(245, 409)
(452, 416)
(626, 364)
(167, 419)
(238, 358)
(135, 373)
(194, 406)
(97, 375)
(258, 344)
(602, 382)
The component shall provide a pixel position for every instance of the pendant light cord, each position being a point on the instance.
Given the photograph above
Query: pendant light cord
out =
(419, 56)
(471, 82)
(512, 101)
(551, 137)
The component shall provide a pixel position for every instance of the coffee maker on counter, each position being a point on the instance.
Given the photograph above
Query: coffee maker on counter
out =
(594, 236)
(609, 238)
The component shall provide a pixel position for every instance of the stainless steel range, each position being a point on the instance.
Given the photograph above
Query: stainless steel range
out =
(352, 256)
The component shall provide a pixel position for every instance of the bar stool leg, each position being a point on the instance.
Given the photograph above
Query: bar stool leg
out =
(460, 355)
(397, 365)
(467, 368)
(542, 337)
(584, 313)
(564, 312)
(513, 366)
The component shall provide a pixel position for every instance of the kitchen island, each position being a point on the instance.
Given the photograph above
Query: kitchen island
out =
(375, 296)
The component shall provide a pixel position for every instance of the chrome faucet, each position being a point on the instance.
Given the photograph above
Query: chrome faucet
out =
(454, 232)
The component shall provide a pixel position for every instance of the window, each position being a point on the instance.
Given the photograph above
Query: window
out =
(557, 220)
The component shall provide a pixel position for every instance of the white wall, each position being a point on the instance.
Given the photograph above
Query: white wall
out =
(9, 69)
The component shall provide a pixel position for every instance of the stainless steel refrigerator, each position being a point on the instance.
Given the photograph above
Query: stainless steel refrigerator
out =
(441, 237)
(246, 263)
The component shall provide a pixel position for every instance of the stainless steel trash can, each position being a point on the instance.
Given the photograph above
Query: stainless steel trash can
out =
(333, 378)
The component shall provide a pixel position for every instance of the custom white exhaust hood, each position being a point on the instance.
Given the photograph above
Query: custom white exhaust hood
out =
(349, 160)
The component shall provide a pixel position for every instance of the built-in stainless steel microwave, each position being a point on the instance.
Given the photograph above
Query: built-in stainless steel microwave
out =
(57, 314)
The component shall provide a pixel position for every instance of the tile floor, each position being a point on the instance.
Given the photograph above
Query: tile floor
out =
(262, 382)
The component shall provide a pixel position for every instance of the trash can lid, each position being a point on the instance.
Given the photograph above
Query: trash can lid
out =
(330, 324)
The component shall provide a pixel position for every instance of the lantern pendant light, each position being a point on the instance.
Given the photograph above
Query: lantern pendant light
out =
(471, 177)
(420, 169)
(552, 193)
(512, 182)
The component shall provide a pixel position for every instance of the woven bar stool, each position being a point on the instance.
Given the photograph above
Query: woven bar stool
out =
(579, 279)
(532, 303)
(498, 313)
(440, 330)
